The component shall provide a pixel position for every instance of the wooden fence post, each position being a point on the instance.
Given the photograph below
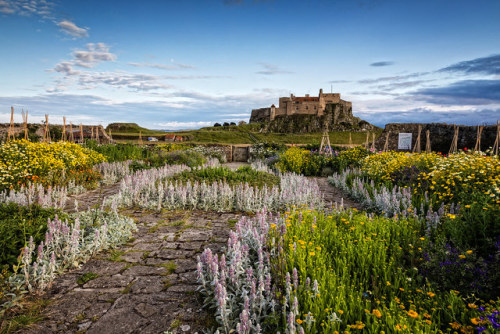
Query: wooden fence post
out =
(428, 142)
(373, 141)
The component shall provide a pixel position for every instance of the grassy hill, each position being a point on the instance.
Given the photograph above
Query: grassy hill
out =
(234, 134)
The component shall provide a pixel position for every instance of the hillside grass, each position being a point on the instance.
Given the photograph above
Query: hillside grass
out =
(246, 134)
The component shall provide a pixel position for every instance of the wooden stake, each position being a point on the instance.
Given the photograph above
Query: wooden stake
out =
(477, 147)
(92, 133)
(110, 137)
(350, 140)
(367, 138)
(64, 129)
(81, 133)
(46, 135)
(494, 151)
(140, 137)
(11, 126)
(417, 148)
(454, 141)
(386, 145)
(373, 142)
(71, 137)
(428, 142)
(25, 121)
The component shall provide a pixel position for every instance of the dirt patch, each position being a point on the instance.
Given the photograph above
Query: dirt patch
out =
(334, 196)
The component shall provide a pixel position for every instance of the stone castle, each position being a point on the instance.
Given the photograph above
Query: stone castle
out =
(305, 105)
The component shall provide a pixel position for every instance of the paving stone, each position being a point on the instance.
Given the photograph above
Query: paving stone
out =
(143, 271)
(132, 257)
(170, 254)
(115, 281)
(146, 310)
(148, 284)
(118, 320)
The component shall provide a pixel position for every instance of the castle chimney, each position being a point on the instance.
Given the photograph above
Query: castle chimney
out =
(321, 91)
(307, 95)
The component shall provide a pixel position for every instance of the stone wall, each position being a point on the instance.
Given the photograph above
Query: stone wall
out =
(260, 115)
(441, 135)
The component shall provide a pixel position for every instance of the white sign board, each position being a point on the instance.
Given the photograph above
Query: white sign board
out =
(404, 141)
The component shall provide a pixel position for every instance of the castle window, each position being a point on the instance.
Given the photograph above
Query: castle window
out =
(314, 107)
(296, 108)
(307, 108)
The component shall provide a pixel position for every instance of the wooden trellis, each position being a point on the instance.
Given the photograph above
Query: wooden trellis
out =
(325, 142)
(46, 134)
(25, 121)
(477, 147)
(417, 147)
(386, 144)
(64, 129)
(428, 141)
(71, 137)
(454, 141)
(494, 151)
(10, 134)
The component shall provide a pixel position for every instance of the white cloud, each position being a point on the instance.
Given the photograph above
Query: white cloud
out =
(72, 29)
(41, 8)
(172, 66)
(95, 54)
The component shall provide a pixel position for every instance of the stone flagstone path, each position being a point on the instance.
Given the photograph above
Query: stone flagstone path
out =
(149, 284)
(145, 286)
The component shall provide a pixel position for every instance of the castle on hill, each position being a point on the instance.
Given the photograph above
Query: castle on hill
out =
(305, 105)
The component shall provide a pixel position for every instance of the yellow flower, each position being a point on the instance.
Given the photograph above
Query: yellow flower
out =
(299, 321)
(412, 314)
(475, 321)
(469, 252)
(461, 256)
(377, 313)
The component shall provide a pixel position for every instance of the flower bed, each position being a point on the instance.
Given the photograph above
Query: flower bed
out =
(152, 189)
(316, 163)
(23, 162)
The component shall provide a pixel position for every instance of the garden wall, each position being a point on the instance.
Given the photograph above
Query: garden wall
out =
(441, 135)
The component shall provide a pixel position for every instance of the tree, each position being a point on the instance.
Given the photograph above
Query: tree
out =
(216, 124)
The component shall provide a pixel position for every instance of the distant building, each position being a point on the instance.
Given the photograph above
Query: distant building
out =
(304, 105)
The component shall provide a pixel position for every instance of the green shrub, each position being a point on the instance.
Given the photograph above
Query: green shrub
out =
(17, 224)
(242, 175)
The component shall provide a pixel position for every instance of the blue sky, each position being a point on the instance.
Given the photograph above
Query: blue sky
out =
(186, 64)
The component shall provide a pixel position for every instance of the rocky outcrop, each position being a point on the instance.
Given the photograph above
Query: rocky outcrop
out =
(441, 135)
(333, 117)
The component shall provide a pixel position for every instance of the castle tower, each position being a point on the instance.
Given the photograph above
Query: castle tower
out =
(272, 113)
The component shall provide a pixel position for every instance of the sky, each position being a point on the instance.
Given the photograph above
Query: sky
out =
(187, 64)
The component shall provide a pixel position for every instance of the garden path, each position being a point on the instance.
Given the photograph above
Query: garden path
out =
(147, 285)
